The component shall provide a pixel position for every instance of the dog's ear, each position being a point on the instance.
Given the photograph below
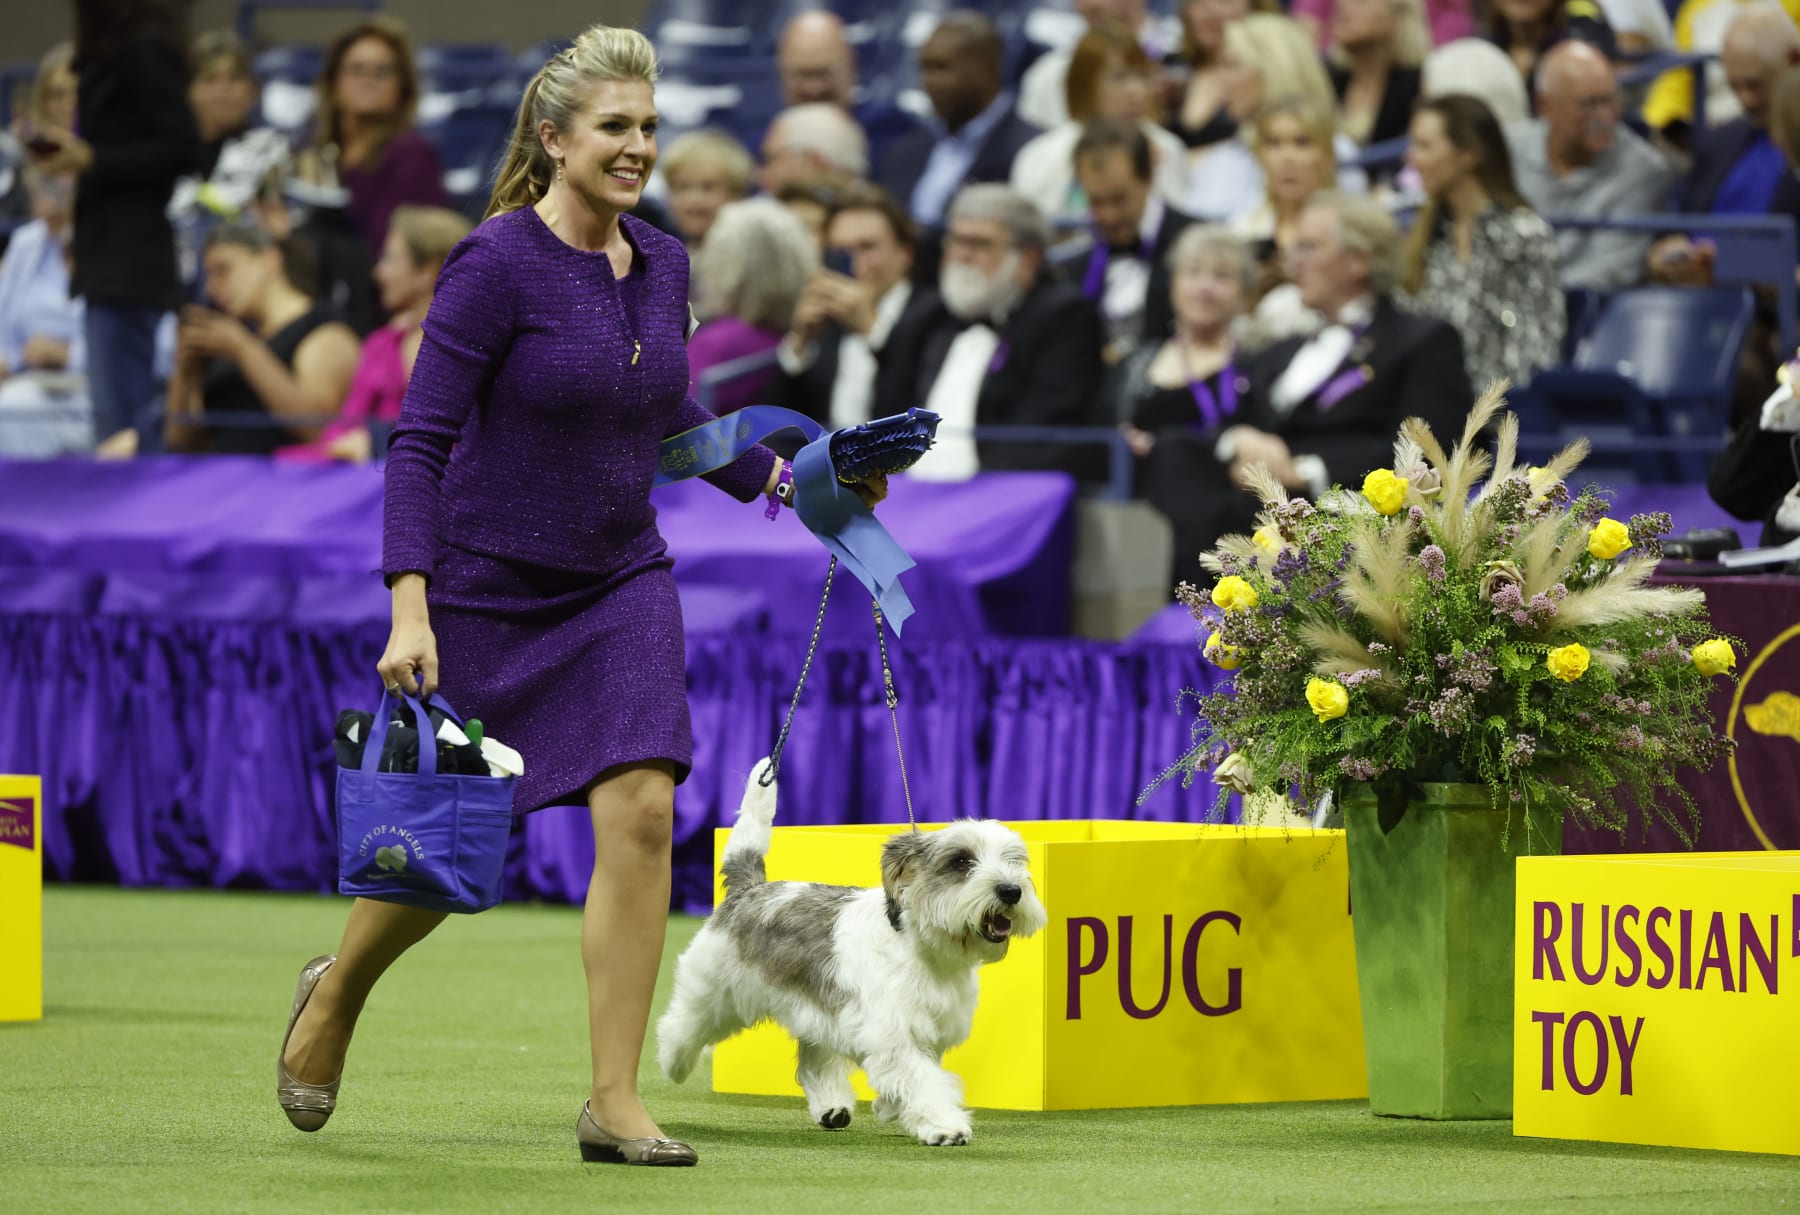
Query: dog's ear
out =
(899, 856)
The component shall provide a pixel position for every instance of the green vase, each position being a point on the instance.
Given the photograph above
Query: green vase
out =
(1431, 903)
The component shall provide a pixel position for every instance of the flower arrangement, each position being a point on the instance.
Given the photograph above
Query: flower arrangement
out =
(1437, 626)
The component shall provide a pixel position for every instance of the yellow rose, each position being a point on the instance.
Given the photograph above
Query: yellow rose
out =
(1385, 491)
(1233, 594)
(1268, 536)
(1715, 657)
(1327, 698)
(1608, 539)
(1225, 657)
(1568, 663)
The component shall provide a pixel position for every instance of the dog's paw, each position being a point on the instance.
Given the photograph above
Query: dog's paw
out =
(835, 1119)
(946, 1132)
(885, 1110)
(759, 799)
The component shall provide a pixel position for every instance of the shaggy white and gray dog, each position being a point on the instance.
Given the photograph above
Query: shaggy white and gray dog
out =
(882, 978)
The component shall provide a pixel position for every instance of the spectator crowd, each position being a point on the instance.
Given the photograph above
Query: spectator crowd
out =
(1218, 233)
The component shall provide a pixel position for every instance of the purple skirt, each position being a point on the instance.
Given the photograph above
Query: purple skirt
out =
(576, 672)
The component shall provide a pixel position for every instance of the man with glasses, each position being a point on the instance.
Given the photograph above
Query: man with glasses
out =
(1578, 160)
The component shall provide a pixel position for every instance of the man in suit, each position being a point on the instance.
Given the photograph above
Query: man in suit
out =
(1737, 168)
(830, 358)
(1122, 266)
(818, 64)
(1325, 408)
(1001, 344)
(974, 133)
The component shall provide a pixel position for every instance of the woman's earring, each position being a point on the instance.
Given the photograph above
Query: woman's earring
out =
(559, 170)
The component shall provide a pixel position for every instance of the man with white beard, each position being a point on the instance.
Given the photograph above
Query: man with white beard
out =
(1004, 344)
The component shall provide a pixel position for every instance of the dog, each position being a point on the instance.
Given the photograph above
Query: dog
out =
(882, 978)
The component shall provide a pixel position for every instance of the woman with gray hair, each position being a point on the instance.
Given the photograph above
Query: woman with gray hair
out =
(749, 274)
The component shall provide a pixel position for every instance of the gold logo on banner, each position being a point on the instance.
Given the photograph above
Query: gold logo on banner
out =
(1777, 716)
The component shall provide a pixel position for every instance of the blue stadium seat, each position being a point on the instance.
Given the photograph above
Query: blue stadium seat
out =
(1581, 308)
(470, 141)
(1657, 368)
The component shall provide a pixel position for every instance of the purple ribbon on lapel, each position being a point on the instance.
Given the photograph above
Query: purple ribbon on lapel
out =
(1215, 409)
(1002, 352)
(1093, 283)
(1347, 381)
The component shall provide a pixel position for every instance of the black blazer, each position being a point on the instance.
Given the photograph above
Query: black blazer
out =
(133, 109)
(1048, 373)
(1416, 370)
(1071, 262)
(1395, 112)
(810, 391)
(904, 163)
(1752, 475)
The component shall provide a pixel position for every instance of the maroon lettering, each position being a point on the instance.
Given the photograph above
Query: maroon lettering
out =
(1582, 973)
(1659, 948)
(1547, 926)
(1627, 1050)
(1628, 948)
(1078, 969)
(1190, 978)
(1126, 1002)
(1585, 1088)
(1549, 1020)
(1718, 954)
(1687, 950)
(1750, 947)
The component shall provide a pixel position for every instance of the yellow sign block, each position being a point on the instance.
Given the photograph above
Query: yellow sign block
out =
(1656, 998)
(1182, 965)
(21, 899)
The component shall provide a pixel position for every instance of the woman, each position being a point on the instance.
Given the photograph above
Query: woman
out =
(266, 347)
(1202, 117)
(364, 140)
(1477, 256)
(137, 139)
(1294, 149)
(239, 156)
(1525, 29)
(44, 406)
(552, 366)
(1377, 47)
(703, 171)
(1109, 77)
(1447, 20)
(750, 272)
(49, 106)
(1186, 389)
(1268, 58)
(419, 239)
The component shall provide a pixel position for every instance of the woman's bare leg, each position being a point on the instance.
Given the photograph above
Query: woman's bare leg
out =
(374, 935)
(622, 929)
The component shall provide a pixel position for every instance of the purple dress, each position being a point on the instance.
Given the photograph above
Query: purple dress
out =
(406, 172)
(519, 481)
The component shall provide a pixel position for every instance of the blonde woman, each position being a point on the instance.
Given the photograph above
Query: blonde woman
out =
(1377, 49)
(755, 263)
(529, 565)
(1294, 147)
(703, 170)
(1268, 58)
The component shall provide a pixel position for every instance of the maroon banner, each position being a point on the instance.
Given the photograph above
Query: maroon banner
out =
(1751, 801)
(18, 822)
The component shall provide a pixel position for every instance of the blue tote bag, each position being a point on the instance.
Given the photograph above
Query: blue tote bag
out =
(421, 838)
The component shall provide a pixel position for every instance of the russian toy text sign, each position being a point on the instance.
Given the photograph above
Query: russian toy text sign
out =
(1655, 997)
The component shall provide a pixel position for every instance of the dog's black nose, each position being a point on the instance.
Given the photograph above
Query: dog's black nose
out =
(1008, 894)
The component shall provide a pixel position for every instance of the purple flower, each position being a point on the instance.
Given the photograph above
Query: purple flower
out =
(1355, 679)
(1358, 768)
(1431, 557)
(1506, 599)
(1518, 750)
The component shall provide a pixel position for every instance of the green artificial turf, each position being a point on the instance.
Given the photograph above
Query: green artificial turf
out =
(148, 1086)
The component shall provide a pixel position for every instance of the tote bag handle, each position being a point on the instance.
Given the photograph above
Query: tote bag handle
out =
(421, 719)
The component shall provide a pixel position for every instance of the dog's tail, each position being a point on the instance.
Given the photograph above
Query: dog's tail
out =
(749, 840)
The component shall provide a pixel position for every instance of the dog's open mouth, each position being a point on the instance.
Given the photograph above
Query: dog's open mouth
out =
(996, 927)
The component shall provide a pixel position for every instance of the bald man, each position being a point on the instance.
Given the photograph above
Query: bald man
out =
(974, 132)
(1577, 159)
(817, 65)
(1737, 168)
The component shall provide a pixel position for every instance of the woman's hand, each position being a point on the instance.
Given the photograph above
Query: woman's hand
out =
(1140, 441)
(412, 648)
(208, 334)
(353, 446)
(73, 154)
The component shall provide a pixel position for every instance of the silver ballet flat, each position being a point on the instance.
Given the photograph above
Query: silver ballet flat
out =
(599, 1146)
(308, 1106)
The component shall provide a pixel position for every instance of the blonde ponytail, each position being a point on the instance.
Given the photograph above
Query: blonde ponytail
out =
(601, 53)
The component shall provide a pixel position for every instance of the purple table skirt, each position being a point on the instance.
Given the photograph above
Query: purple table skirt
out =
(268, 540)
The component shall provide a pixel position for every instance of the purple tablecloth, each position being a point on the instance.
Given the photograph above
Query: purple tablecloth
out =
(176, 638)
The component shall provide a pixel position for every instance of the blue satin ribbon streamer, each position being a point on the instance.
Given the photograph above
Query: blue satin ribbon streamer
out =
(828, 508)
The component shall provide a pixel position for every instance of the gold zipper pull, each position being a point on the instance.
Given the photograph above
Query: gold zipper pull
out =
(636, 349)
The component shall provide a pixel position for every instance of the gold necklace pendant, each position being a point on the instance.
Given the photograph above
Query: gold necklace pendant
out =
(636, 349)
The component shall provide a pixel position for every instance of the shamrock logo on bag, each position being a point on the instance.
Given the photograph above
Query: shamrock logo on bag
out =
(391, 858)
